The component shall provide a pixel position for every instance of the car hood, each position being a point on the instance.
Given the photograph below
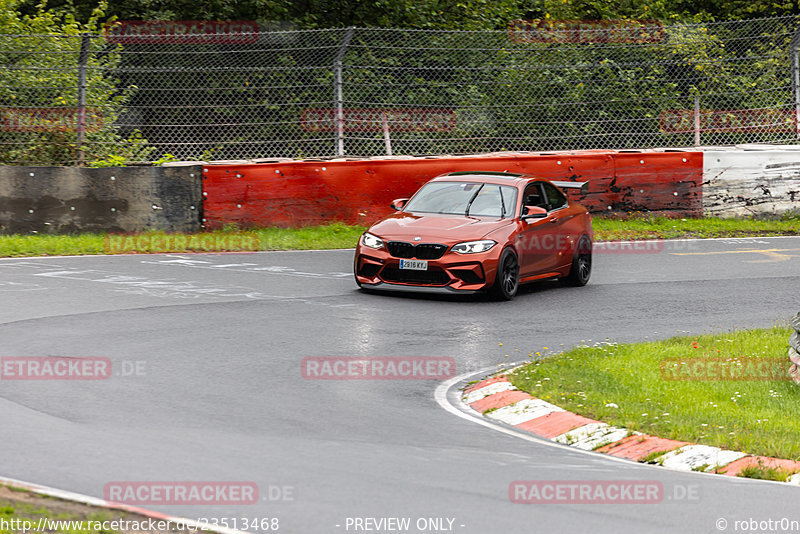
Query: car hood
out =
(440, 228)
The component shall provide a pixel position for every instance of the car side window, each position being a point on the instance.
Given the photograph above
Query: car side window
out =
(534, 196)
(555, 198)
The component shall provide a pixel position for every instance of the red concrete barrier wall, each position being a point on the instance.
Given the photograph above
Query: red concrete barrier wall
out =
(358, 191)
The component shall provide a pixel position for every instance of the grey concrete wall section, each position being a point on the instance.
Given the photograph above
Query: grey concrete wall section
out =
(114, 199)
(751, 182)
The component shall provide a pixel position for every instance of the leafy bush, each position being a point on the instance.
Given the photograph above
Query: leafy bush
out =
(39, 91)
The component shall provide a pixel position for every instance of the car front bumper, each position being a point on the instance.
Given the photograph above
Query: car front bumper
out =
(453, 272)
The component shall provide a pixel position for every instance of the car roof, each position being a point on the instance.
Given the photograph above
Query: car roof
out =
(484, 176)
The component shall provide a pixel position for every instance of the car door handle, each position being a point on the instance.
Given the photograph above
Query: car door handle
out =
(554, 220)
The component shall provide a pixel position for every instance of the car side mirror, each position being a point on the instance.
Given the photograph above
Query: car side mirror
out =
(533, 212)
(399, 203)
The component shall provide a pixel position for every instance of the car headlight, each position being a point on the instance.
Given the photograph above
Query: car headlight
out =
(472, 247)
(372, 241)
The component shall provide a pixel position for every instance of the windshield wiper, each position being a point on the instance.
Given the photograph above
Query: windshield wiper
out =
(466, 212)
(502, 204)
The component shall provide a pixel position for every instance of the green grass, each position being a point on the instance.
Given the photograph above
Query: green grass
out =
(338, 235)
(310, 238)
(638, 226)
(15, 512)
(754, 416)
(765, 473)
(331, 236)
(653, 457)
(50, 245)
(18, 505)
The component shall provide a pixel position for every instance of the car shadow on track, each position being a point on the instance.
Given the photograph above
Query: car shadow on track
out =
(524, 291)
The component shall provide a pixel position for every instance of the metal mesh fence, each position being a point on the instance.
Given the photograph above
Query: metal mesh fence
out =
(365, 92)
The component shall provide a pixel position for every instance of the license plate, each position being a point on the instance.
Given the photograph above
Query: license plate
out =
(414, 265)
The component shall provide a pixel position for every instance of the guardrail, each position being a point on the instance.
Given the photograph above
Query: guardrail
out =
(189, 196)
(111, 199)
(358, 191)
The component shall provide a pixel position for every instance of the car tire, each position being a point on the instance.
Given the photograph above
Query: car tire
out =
(506, 281)
(581, 269)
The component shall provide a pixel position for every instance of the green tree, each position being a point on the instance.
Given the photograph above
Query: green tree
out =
(419, 14)
(39, 90)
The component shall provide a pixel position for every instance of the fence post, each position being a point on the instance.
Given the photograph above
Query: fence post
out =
(83, 66)
(795, 63)
(696, 121)
(387, 138)
(337, 89)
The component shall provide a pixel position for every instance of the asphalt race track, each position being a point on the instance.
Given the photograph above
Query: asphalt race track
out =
(220, 397)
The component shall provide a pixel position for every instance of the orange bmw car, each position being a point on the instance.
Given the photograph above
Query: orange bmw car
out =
(469, 232)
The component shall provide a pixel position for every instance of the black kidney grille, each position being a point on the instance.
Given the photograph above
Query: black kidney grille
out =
(429, 251)
(400, 249)
(423, 251)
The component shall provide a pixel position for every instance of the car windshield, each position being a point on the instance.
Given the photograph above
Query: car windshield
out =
(465, 198)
